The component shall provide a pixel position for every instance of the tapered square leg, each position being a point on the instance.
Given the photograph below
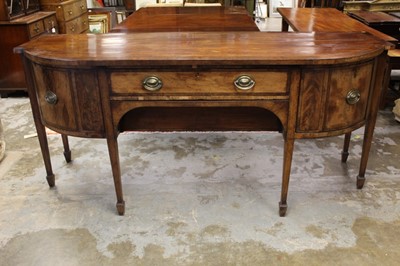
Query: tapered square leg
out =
(121, 208)
(360, 182)
(282, 209)
(67, 151)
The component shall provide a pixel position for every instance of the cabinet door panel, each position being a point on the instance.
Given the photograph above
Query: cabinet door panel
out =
(339, 112)
(59, 114)
(312, 98)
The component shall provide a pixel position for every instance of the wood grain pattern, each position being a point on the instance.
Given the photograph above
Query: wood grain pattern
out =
(155, 19)
(203, 48)
(326, 20)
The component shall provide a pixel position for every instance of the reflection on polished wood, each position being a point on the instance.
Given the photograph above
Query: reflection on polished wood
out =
(317, 85)
(152, 19)
(325, 20)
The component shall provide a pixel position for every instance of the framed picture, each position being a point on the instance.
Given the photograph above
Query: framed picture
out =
(274, 4)
(98, 23)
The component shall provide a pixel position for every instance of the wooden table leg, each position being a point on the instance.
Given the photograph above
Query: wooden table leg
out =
(40, 129)
(116, 171)
(67, 151)
(380, 83)
(111, 135)
(41, 132)
(287, 164)
(285, 25)
(345, 152)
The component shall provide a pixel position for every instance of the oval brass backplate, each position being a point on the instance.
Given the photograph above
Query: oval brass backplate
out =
(244, 83)
(152, 83)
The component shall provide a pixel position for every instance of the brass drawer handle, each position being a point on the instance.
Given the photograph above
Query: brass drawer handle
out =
(36, 29)
(353, 96)
(244, 83)
(82, 7)
(152, 83)
(51, 97)
(70, 12)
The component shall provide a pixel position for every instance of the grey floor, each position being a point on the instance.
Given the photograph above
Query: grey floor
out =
(197, 199)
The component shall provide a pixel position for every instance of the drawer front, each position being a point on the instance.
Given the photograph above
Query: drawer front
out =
(71, 10)
(202, 83)
(36, 28)
(50, 23)
(75, 26)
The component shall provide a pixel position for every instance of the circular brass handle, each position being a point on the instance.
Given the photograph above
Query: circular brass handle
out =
(50, 97)
(70, 12)
(353, 96)
(152, 83)
(244, 83)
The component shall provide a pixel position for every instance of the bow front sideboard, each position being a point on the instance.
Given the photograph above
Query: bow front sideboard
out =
(305, 85)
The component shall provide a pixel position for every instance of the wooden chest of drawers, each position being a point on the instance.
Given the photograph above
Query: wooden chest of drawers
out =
(14, 33)
(71, 15)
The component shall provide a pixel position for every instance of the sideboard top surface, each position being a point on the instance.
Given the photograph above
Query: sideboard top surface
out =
(203, 48)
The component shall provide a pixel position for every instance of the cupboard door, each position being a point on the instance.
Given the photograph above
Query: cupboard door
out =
(55, 98)
(333, 98)
(348, 96)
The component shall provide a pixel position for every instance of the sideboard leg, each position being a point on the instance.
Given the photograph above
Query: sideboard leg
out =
(360, 181)
(287, 164)
(116, 171)
(40, 129)
(368, 134)
(67, 151)
(44, 147)
(345, 152)
(112, 143)
(381, 83)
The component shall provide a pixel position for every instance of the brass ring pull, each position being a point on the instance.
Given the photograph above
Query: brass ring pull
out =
(50, 97)
(353, 96)
(244, 83)
(152, 83)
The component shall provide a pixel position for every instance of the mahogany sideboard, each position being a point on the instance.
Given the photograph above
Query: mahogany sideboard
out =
(96, 86)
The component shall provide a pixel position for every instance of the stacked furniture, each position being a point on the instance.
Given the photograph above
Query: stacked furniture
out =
(20, 21)
(72, 15)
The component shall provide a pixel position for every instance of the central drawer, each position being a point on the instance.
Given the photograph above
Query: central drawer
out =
(204, 83)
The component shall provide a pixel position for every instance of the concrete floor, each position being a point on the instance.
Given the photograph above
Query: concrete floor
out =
(198, 199)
